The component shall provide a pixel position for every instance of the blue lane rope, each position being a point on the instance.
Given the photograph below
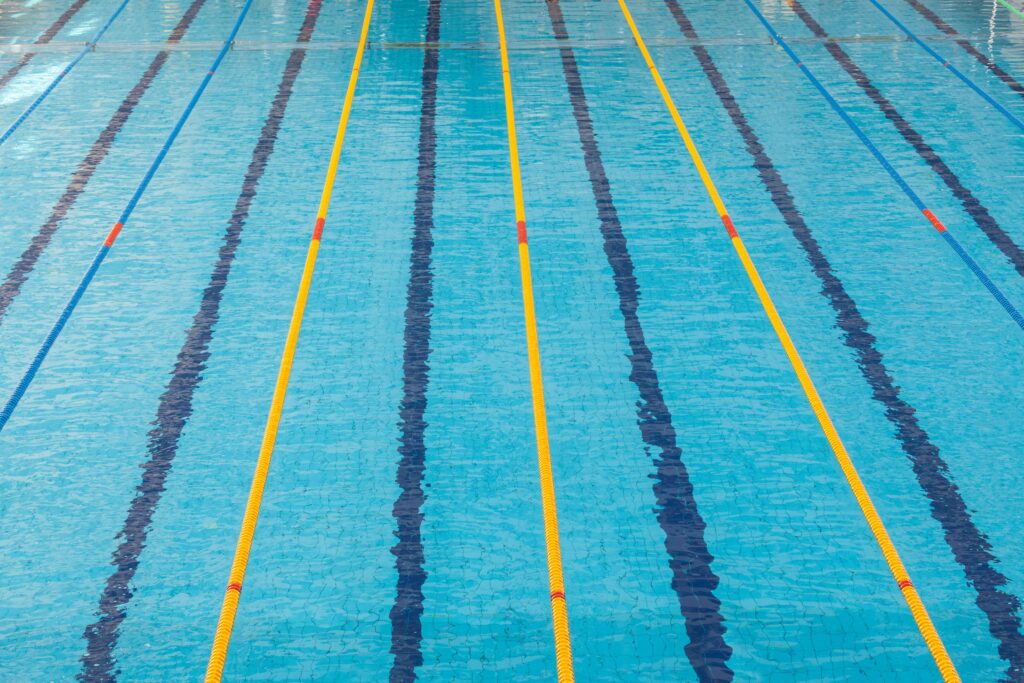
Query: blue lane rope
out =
(69, 307)
(946, 63)
(985, 280)
(983, 277)
(64, 72)
(37, 361)
(183, 118)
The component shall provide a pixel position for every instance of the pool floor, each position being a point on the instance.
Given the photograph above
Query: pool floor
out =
(606, 340)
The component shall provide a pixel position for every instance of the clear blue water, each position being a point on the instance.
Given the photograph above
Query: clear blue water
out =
(804, 591)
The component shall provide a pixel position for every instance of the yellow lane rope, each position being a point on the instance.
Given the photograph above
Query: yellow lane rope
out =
(892, 558)
(222, 637)
(559, 612)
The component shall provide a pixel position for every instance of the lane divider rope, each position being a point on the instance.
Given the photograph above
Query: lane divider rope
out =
(23, 267)
(556, 581)
(1013, 8)
(694, 580)
(86, 49)
(176, 406)
(860, 493)
(946, 63)
(236, 578)
(941, 228)
(108, 243)
(973, 206)
(966, 45)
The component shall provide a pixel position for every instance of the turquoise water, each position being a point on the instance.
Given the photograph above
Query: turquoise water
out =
(804, 592)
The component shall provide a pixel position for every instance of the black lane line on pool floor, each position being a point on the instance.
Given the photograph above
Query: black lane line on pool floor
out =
(970, 547)
(406, 627)
(693, 580)
(43, 39)
(960, 40)
(176, 402)
(971, 204)
(23, 267)
(1001, 608)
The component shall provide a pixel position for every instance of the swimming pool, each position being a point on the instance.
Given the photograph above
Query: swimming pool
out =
(707, 530)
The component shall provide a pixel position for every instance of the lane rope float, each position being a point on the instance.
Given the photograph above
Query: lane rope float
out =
(860, 493)
(233, 591)
(556, 581)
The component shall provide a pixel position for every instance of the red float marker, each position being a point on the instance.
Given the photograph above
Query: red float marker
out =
(934, 220)
(112, 235)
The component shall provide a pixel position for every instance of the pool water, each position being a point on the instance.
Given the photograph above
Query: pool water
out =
(707, 530)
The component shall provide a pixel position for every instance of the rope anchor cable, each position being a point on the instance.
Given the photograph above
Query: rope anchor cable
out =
(90, 46)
